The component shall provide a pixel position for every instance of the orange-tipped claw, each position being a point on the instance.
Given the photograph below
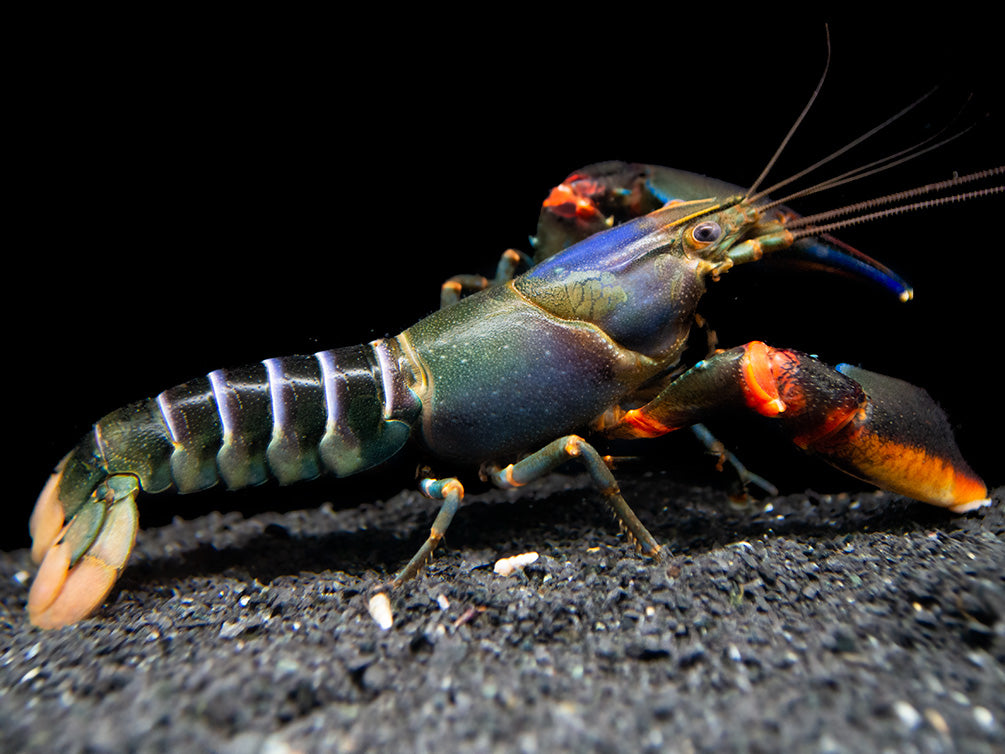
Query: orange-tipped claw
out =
(81, 561)
(903, 442)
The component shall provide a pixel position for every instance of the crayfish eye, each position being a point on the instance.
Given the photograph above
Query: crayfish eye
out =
(706, 232)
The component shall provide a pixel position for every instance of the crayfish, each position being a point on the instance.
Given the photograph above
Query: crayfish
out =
(591, 337)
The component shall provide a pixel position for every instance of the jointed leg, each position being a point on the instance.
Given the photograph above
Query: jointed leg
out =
(451, 492)
(558, 452)
(716, 448)
(534, 466)
(454, 288)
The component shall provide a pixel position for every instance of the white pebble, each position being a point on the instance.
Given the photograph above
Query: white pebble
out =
(380, 610)
(937, 721)
(984, 718)
(507, 566)
(908, 715)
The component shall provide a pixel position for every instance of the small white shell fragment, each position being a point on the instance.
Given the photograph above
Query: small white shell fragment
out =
(908, 715)
(380, 610)
(984, 718)
(507, 566)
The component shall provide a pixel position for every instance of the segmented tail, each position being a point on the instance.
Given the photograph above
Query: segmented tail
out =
(288, 418)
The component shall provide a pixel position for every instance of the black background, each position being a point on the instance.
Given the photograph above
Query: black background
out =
(192, 194)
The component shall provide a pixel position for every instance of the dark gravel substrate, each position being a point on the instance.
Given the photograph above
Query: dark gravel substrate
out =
(806, 623)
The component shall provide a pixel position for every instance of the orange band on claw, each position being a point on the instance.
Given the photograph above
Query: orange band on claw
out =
(759, 383)
(640, 424)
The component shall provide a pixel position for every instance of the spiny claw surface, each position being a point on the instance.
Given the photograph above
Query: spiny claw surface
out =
(80, 561)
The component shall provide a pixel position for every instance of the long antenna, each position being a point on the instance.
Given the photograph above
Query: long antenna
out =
(792, 130)
(864, 171)
(838, 152)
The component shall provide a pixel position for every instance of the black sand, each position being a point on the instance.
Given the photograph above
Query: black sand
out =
(837, 623)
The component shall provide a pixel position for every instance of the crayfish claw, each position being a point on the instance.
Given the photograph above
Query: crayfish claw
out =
(82, 561)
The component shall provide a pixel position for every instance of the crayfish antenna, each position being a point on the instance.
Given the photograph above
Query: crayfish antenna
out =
(810, 224)
(749, 196)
